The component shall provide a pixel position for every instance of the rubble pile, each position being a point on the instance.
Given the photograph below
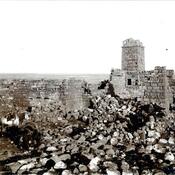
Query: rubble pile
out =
(113, 136)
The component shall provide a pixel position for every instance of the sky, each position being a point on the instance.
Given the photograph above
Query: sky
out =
(83, 36)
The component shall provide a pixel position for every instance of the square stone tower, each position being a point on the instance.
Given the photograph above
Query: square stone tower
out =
(133, 58)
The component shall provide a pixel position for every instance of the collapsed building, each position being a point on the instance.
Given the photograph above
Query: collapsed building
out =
(155, 86)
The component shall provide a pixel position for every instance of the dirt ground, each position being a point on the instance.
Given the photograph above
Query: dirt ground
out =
(7, 148)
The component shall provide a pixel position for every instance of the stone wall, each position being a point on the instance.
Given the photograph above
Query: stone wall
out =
(171, 81)
(73, 96)
(157, 89)
(148, 86)
(118, 80)
(69, 92)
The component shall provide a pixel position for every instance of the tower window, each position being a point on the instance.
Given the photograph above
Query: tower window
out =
(129, 81)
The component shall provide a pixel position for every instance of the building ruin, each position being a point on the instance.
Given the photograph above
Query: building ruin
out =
(155, 86)
(131, 81)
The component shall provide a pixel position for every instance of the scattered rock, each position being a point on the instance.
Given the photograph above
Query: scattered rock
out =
(93, 165)
(112, 172)
(51, 148)
(116, 136)
(82, 168)
(169, 156)
(60, 165)
(66, 172)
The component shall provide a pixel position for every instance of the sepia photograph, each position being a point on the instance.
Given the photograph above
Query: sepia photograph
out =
(87, 87)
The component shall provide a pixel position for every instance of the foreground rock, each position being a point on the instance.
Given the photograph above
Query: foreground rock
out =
(113, 136)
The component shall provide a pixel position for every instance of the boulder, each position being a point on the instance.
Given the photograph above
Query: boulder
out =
(169, 156)
(93, 165)
(60, 165)
(112, 172)
(82, 168)
(51, 149)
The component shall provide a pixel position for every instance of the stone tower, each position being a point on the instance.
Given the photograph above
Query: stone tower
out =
(133, 55)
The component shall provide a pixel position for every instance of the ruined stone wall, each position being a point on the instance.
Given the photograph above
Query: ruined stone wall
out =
(157, 89)
(171, 81)
(69, 92)
(157, 86)
(172, 85)
(149, 86)
(72, 95)
(118, 79)
(127, 84)
(136, 88)
(133, 55)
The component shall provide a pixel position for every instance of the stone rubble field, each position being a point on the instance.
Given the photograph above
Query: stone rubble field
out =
(113, 136)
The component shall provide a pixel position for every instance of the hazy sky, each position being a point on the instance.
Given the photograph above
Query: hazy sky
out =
(82, 36)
